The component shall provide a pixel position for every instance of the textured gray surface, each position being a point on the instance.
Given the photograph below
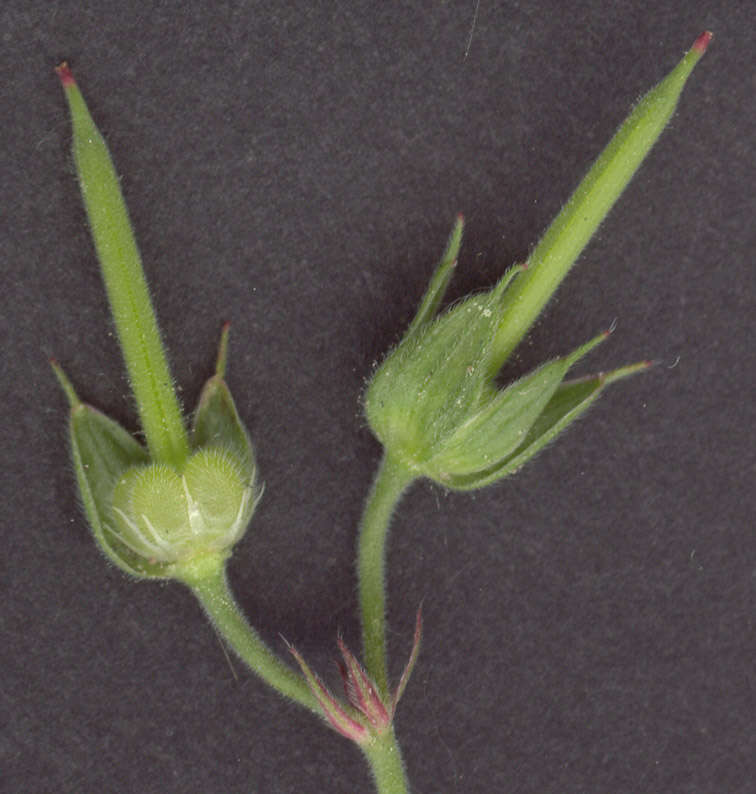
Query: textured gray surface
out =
(295, 168)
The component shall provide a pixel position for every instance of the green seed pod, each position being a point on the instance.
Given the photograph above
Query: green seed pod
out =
(151, 510)
(434, 407)
(169, 517)
(125, 283)
(152, 518)
(434, 404)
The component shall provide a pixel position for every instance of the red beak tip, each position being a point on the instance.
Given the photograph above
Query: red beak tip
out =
(64, 73)
(702, 42)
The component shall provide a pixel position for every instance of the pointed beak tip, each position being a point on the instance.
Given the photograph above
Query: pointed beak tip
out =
(701, 44)
(64, 73)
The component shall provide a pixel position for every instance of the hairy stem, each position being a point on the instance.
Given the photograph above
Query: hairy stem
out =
(385, 759)
(206, 577)
(390, 482)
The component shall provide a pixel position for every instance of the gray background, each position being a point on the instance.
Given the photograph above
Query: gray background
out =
(295, 168)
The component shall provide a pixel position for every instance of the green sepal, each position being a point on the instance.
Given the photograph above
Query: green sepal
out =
(102, 451)
(217, 424)
(439, 281)
(568, 402)
(436, 378)
(432, 381)
(496, 430)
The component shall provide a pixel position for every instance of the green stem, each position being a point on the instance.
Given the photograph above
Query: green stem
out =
(390, 482)
(125, 284)
(385, 759)
(578, 220)
(206, 577)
